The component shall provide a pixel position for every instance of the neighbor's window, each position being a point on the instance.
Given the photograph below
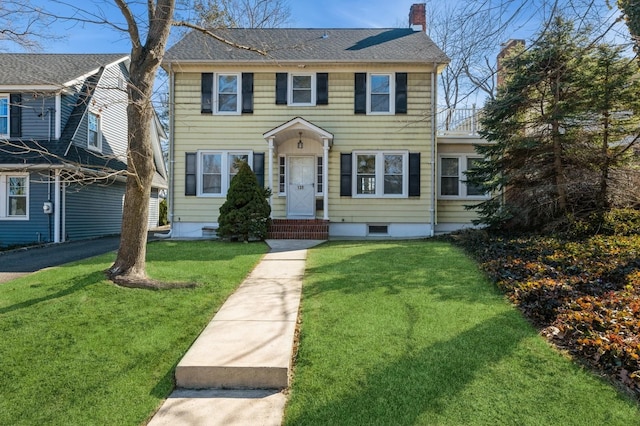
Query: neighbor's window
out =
(17, 196)
(228, 94)
(302, 89)
(453, 179)
(4, 115)
(14, 190)
(381, 174)
(380, 94)
(94, 138)
(217, 168)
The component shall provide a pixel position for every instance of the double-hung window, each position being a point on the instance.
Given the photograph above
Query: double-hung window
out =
(302, 89)
(380, 96)
(217, 169)
(4, 116)
(94, 137)
(453, 179)
(228, 93)
(380, 174)
(15, 196)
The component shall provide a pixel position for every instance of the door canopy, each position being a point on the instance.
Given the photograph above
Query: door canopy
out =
(298, 127)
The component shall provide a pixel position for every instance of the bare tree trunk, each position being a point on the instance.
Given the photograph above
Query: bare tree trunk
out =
(129, 266)
(140, 167)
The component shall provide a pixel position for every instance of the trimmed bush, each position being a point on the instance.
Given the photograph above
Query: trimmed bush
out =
(245, 214)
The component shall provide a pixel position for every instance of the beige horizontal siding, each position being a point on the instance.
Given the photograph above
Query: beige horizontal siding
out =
(453, 211)
(411, 132)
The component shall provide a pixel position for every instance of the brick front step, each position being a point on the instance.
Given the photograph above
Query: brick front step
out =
(299, 229)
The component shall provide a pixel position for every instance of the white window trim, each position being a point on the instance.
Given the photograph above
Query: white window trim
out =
(463, 160)
(97, 148)
(216, 93)
(290, 89)
(392, 94)
(380, 174)
(8, 98)
(4, 193)
(225, 181)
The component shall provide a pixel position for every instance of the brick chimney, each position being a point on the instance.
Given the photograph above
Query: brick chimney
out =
(507, 48)
(418, 15)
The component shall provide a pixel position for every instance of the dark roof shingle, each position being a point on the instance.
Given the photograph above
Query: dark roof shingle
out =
(35, 69)
(313, 45)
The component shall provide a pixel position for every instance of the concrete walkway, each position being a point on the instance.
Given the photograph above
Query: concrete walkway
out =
(235, 371)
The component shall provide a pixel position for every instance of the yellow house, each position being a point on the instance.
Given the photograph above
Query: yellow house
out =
(339, 123)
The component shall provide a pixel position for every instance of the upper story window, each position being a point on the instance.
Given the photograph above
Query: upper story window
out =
(94, 135)
(228, 94)
(14, 190)
(302, 89)
(380, 174)
(4, 115)
(217, 168)
(452, 177)
(380, 93)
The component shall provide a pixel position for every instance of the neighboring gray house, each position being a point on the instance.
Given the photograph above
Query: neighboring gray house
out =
(63, 143)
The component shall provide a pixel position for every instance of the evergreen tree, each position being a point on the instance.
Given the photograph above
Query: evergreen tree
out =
(245, 213)
(611, 101)
(560, 128)
(528, 124)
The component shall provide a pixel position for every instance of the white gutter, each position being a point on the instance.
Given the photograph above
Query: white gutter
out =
(434, 88)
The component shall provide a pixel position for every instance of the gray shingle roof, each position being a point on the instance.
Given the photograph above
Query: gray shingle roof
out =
(312, 45)
(26, 69)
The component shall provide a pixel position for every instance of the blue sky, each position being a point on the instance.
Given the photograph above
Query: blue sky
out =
(77, 38)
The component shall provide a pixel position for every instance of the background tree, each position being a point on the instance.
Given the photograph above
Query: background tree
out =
(528, 122)
(245, 213)
(242, 13)
(22, 25)
(563, 127)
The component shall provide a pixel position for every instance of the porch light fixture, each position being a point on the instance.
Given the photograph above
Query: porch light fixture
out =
(300, 144)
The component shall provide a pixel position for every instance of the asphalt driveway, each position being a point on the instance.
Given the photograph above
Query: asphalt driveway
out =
(16, 263)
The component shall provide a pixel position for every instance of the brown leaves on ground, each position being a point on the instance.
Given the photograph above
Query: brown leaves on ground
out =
(583, 294)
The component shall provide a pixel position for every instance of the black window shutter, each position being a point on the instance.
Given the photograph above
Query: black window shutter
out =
(360, 100)
(206, 91)
(190, 174)
(281, 88)
(247, 92)
(322, 88)
(401, 93)
(345, 175)
(15, 115)
(414, 174)
(258, 167)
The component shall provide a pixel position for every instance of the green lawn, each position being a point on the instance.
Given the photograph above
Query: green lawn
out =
(405, 333)
(77, 350)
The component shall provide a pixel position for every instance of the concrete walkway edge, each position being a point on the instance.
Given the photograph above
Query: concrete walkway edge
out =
(235, 371)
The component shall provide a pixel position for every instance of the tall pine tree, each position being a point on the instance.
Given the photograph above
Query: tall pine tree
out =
(557, 126)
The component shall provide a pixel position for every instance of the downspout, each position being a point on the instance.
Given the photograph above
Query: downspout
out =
(171, 194)
(57, 207)
(434, 88)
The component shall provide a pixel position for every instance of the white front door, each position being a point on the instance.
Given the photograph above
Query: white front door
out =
(301, 190)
